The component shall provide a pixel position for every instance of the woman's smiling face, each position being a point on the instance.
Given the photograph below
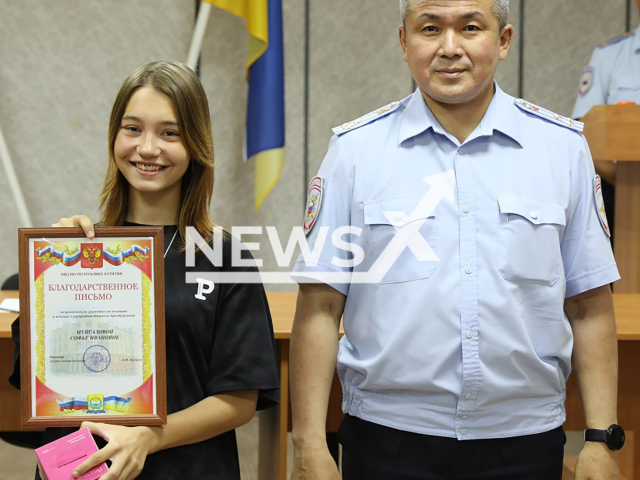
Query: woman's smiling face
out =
(148, 148)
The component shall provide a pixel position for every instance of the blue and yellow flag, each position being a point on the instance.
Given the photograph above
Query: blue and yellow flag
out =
(265, 74)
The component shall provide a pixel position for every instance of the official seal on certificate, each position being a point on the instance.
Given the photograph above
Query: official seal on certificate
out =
(96, 358)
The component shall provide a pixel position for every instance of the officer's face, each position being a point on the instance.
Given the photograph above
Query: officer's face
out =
(453, 48)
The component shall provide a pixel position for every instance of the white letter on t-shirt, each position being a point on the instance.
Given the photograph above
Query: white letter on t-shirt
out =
(201, 284)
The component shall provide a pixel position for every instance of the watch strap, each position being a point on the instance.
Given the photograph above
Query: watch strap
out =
(594, 435)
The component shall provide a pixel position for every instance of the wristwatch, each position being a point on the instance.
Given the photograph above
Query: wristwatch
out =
(612, 436)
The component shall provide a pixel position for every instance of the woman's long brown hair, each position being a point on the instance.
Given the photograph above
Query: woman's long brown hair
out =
(189, 100)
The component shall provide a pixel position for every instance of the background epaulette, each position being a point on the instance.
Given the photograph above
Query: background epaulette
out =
(368, 118)
(549, 115)
(613, 40)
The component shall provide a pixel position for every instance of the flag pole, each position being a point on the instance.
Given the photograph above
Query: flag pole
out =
(25, 218)
(198, 35)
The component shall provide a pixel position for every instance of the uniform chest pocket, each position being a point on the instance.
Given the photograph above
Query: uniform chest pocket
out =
(625, 88)
(400, 241)
(530, 240)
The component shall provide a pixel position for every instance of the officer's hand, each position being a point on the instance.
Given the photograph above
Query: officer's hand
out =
(597, 462)
(77, 221)
(314, 463)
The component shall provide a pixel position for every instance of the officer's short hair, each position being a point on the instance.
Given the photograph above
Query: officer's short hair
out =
(500, 9)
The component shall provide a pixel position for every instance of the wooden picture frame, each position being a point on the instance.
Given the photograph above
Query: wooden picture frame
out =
(77, 299)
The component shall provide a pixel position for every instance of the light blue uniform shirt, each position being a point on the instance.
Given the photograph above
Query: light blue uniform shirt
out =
(471, 342)
(613, 74)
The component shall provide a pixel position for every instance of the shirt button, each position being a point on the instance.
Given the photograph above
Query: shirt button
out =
(468, 270)
(466, 209)
(398, 216)
(464, 431)
(464, 417)
(469, 334)
(534, 215)
(467, 395)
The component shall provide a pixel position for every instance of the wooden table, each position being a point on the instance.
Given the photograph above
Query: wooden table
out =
(275, 423)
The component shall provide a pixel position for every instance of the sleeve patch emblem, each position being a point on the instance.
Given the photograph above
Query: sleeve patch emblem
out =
(314, 202)
(586, 80)
(599, 200)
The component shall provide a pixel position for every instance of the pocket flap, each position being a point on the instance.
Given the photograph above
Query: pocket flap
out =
(626, 82)
(535, 210)
(396, 211)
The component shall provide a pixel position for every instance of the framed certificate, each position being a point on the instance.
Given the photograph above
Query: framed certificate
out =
(92, 339)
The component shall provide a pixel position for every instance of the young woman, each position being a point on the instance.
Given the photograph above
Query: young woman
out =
(220, 351)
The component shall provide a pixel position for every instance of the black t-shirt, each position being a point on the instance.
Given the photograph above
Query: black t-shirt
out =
(220, 344)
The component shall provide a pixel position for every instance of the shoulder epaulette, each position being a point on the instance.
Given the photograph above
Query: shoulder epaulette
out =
(365, 119)
(613, 40)
(549, 115)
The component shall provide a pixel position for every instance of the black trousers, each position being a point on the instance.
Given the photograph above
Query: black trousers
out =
(376, 452)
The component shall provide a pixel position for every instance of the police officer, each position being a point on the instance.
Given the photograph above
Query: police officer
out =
(612, 76)
(460, 233)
